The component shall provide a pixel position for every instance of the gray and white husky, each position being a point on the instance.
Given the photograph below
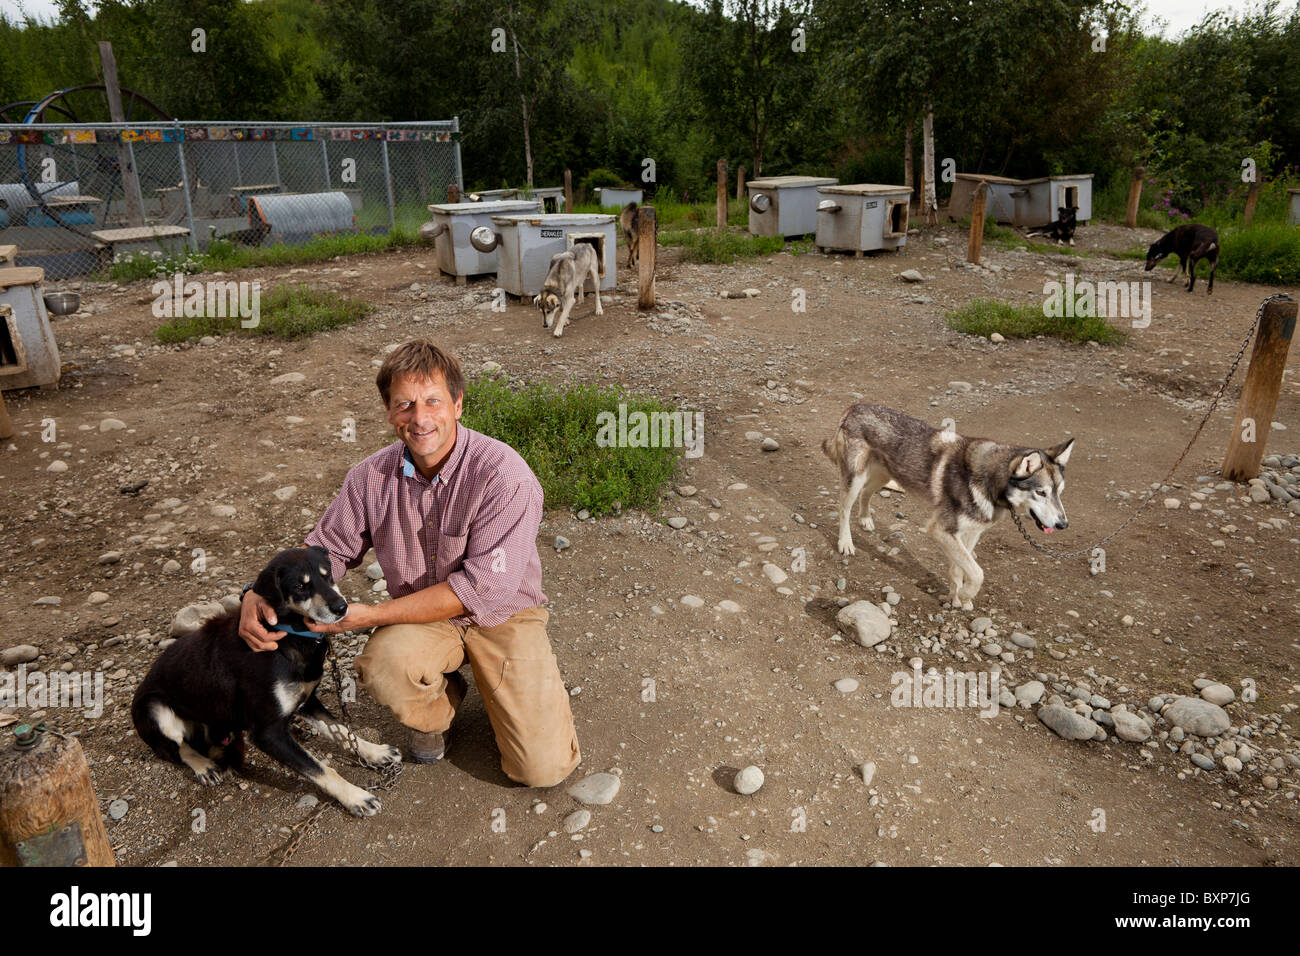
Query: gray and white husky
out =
(968, 483)
(564, 283)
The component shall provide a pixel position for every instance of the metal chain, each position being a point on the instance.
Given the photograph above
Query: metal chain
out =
(1195, 435)
(389, 773)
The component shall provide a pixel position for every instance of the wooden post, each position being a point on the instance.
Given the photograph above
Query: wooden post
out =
(976, 244)
(130, 181)
(740, 183)
(568, 190)
(49, 815)
(6, 426)
(722, 194)
(1259, 393)
(1252, 197)
(1134, 197)
(645, 253)
(453, 193)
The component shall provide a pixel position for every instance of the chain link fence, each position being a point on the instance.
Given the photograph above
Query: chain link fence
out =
(74, 198)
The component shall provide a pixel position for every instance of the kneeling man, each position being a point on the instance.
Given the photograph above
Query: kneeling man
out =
(453, 517)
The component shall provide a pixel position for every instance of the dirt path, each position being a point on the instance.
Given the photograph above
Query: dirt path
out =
(205, 425)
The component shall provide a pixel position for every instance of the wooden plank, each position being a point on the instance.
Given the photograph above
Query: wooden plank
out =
(568, 190)
(645, 251)
(975, 246)
(1134, 197)
(21, 275)
(138, 233)
(1254, 419)
(130, 179)
(722, 194)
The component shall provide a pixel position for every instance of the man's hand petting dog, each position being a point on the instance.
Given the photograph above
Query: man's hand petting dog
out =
(252, 612)
(359, 618)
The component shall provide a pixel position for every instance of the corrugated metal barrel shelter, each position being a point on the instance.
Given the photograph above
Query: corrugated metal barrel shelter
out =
(453, 222)
(1000, 205)
(1042, 198)
(862, 217)
(527, 244)
(297, 217)
(784, 205)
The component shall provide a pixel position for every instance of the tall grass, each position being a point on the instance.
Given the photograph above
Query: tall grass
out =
(555, 429)
(222, 255)
(1268, 253)
(710, 245)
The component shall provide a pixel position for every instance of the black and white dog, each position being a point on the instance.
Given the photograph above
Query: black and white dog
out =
(1190, 243)
(209, 688)
(1062, 230)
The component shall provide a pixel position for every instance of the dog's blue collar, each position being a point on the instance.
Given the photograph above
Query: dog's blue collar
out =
(296, 632)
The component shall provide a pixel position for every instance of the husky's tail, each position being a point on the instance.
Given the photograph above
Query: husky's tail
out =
(834, 447)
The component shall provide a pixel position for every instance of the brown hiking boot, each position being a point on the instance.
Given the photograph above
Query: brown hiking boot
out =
(429, 747)
(426, 747)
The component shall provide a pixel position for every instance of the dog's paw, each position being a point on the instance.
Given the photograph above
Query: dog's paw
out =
(361, 804)
(866, 524)
(382, 755)
(558, 332)
(845, 547)
(599, 310)
(211, 776)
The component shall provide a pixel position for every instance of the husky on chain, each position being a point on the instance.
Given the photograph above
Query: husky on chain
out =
(1190, 243)
(629, 220)
(968, 483)
(564, 284)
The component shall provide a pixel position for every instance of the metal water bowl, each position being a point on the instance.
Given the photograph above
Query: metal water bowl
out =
(62, 303)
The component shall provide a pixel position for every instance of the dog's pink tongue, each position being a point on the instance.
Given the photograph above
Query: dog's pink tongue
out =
(1047, 530)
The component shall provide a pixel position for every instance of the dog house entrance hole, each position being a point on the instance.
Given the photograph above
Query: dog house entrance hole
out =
(11, 354)
(897, 218)
(1069, 197)
(595, 239)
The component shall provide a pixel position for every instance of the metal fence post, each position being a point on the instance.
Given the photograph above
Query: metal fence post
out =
(455, 128)
(185, 187)
(388, 182)
(275, 162)
(325, 159)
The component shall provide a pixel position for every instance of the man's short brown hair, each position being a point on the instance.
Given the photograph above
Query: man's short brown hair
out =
(420, 358)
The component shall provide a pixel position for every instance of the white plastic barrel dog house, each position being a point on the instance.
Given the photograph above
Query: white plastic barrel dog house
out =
(527, 243)
(1038, 201)
(28, 355)
(862, 217)
(450, 228)
(784, 205)
(1000, 206)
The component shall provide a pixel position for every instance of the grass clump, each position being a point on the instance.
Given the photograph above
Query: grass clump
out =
(983, 317)
(556, 430)
(286, 312)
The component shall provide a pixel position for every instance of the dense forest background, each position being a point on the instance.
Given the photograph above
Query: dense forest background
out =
(1017, 87)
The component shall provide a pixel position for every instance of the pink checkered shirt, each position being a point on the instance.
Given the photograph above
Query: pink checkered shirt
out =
(474, 526)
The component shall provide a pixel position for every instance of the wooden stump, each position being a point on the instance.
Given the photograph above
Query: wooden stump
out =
(722, 194)
(1259, 393)
(975, 246)
(453, 193)
(568, 190)
(49, 815)
(1134, 197)
(645, 257)
(1252, 197)
(740, 183)
(6, 426)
